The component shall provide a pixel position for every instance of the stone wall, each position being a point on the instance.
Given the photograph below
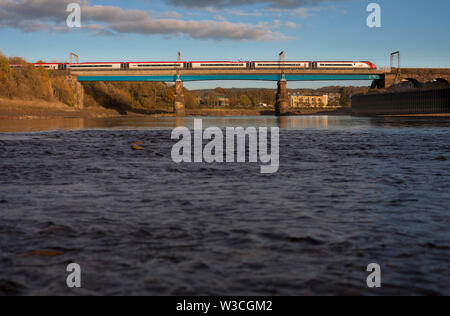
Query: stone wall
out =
(402, 103)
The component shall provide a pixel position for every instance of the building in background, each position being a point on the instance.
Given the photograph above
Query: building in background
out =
(308, 101)
(223, 100)
(213, 100)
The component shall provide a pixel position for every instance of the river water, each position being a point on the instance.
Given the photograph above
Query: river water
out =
(349, 192)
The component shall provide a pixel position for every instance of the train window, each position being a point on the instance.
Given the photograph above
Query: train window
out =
(278, 65)
(337, 65)
(92, 66)
(221, 65)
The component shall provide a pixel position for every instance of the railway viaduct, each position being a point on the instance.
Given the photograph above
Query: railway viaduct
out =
(381, 78)
(417, 76)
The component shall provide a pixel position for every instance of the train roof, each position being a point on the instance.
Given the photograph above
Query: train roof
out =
(338, 61)
(156, 62)
(100, 63)
(223, 61)
(286, 61)
(47, 63)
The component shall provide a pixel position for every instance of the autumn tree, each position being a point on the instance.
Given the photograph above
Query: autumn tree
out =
(211, 98)
(345, 98)
(244, 100)
(190, 100)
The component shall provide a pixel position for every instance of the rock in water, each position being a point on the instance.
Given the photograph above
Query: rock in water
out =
(43, 253)
(136, 145)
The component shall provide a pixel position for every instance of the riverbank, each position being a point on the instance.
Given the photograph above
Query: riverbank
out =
(38, 109)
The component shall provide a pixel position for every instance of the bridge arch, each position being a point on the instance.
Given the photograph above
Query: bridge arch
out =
(416, 83)
(442, 81)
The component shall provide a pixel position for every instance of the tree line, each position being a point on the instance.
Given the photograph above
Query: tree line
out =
(30, 83)
(257, 97)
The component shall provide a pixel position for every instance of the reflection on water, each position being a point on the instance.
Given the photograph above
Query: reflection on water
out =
(289, 123)
(303, 122)
(23, 126)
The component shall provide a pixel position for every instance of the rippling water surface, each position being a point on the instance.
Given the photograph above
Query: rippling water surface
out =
(349, 192)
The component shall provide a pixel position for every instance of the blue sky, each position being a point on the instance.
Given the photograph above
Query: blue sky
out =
(228, 30)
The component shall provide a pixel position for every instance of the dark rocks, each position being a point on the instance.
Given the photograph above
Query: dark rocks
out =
(43, 253)
(136, 145)
(10, 287)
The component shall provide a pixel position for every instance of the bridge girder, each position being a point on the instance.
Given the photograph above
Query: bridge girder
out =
(269, 77)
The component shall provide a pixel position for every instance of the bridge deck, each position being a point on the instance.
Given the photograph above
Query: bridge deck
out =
(227, 74)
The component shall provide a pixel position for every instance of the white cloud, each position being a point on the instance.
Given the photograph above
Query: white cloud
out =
(220, 18)
(276, 24)
(40, 15)
(244, 13)
(172, 14)
(291, 24)
(301, 12)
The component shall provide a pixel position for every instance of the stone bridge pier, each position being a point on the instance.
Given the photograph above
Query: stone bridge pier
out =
(282, 100)
(179, 104)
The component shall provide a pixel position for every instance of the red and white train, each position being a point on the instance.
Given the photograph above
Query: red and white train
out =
(208, 65)
(343, 65)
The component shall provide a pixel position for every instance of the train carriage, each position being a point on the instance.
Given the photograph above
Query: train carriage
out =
(219, 65)
(281, 64)
(97, 66)
(343, 65)
(156, 65)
